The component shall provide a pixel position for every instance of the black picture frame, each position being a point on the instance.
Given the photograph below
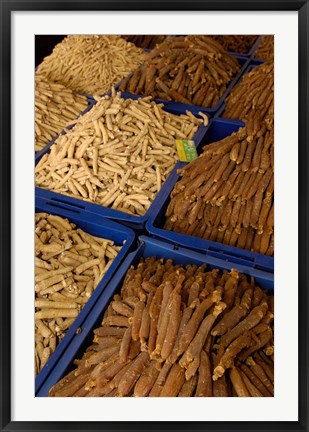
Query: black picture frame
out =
(6, 7)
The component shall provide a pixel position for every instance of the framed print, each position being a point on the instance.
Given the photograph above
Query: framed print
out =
(138, 254)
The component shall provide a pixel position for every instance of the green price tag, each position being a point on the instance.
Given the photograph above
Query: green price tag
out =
(186, 150)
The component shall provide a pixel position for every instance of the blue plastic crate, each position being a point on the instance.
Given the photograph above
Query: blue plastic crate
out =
(148, 247)
(132, 221)
(181, 108)
(40, 153)
(99, 227)
(218, 129)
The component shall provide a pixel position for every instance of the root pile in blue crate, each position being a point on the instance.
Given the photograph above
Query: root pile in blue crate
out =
(91, 64)
(191, 69)
(183, 331)
(226, 194)
(69, 264)
(117, 155)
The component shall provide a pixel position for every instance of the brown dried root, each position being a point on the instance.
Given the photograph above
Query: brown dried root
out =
(238, 383)
(204, 384)
(227, 360)
(231, 318)
(158, 385)
(146, 380)
(255, 380)
(260, 373)
(191, 327)
(187, 390)
(254, 317)
(174, 381)
(132, 374)
(191, 358)
(174, 313)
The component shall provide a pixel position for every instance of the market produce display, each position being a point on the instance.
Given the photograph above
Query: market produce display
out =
(241, 44)
(253, 97)
(226, 194)
(118, 154)
(69, 264)
(189, 69)
(91, 64)
(265, 50)
(179, 331)
(55, 108)
(145, 41)
(168, 330)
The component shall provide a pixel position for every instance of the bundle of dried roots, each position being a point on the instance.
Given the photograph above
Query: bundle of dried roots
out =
(179, 331)
(253, 97)
(226, 194)
(55, 108)
(238, 43)
(69, 264)
(91, 64)
(265, 50)
(189, 69)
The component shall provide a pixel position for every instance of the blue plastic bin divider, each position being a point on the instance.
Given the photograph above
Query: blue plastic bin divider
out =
(147, 247)
(220, 112)
(40, 153)
(218, 129)
(256, 62)
(99, 227)
(132, 221)
(181, 108)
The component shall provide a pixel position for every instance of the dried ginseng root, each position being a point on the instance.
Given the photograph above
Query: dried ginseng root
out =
(227, 193)
(69, 264)
(117, 155)
(252, 99)
(238, 43)
(192, 69)
(265, 49)
(91, 64)
(205, 353)
(55, 108)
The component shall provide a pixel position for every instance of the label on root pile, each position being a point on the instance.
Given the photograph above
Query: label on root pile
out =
(186, 150)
